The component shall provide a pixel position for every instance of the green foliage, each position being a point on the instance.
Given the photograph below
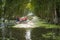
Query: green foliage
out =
(42, 8)
(15, 7)
(45, 8)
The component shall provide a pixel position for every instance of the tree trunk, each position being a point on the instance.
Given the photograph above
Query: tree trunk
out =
(56, 17)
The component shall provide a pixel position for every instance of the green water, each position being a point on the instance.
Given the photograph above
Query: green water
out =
(36, 33)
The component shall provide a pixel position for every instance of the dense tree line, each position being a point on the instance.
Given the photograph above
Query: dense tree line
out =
(14, 8)
(44, 9)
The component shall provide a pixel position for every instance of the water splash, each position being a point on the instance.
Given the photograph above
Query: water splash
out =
(28, 34)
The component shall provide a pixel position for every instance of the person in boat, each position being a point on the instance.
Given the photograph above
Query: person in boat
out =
(23, 19)
(17, 20)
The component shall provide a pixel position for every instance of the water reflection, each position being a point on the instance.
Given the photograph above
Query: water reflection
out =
(45, 34)
(28, 34)
(33, 34)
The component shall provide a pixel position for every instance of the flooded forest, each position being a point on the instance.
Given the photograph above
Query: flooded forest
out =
(29, 19)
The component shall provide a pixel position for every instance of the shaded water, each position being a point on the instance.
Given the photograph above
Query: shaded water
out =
(45, 34)
(28, 34)
(33, 34)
